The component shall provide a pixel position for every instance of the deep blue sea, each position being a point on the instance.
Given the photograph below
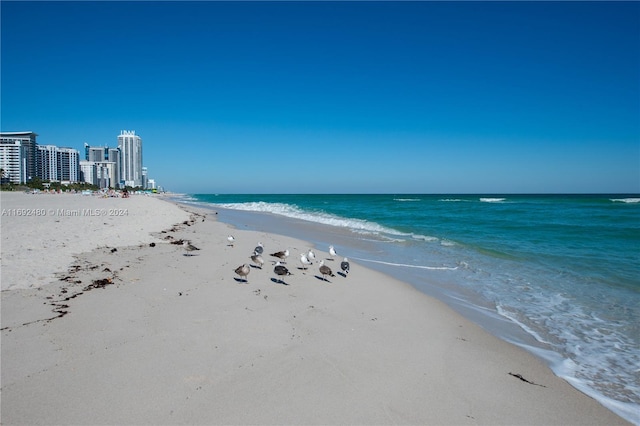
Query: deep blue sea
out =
(556, 274)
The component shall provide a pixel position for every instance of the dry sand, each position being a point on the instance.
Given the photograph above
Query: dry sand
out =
(42, 232)
(146, 335)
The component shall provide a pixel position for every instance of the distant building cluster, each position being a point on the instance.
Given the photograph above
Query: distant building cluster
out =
(22, 159)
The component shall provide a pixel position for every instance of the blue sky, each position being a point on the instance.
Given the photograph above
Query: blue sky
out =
(337, 97)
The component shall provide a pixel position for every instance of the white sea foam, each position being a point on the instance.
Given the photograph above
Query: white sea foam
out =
(292, 211)
(625, 200)
(626, 410)
(432, 268)
(451, 200)
(421, 237)
(590, 348)
(492, 200)
(505, 313)
(384, 239)
(183, 197)
(359, 226)
(407, 199)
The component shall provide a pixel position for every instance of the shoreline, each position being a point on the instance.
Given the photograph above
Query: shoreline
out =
(436, 283)
(176, 339)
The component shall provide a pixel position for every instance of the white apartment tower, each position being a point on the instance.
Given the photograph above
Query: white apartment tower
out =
(18, 156)
(130, 146)
(47, 159)
(68, 164)
(58, 164)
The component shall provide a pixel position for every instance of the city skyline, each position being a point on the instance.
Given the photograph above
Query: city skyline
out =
(339, 97)
(23, 160)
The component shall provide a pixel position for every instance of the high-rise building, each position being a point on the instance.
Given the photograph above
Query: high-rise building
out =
(57, 164)
(114, 156)
(18, 155)
(145, 177)
(47, 162)
(95, 153)
(130, 146)
(68, 164)
(13, 161)
(106, 175)
(88, 172)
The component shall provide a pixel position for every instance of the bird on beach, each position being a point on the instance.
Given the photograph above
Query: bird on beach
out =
(305, 261)
(325, 270)
(332, 252)
(231, 240)
(282, 255)
(344, 265)
(259, 248)
(243, 271)
(281, 271)
(189, 248)
(311, 256)
(257, 260)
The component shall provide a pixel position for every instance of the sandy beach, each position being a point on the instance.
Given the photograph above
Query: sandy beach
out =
(106, 320)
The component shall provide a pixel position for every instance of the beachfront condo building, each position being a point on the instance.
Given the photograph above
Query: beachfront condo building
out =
(145, 178)
(101, 157)
(130, 146)
(46, 162)
(13, 162)
(114, 156)
(102, 174)
(18, 156)
(56, 164)
(95, 153)
(88, 172)
(68, 164)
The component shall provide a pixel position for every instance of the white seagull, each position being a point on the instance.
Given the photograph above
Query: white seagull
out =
(332, 252)
(311, 256)
(305, 261)
(231, 240)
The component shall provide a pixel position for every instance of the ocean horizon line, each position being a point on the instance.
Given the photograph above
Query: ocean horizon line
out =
(469, 194)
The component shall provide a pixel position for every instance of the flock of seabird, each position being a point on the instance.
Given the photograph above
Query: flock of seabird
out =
(306, 259)
(279, 268)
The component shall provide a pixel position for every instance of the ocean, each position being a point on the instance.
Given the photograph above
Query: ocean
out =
(558, 275)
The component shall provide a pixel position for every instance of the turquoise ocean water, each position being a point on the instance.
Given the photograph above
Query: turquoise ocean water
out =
(556, 274)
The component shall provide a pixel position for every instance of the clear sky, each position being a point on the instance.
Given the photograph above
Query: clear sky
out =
(337, 97)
